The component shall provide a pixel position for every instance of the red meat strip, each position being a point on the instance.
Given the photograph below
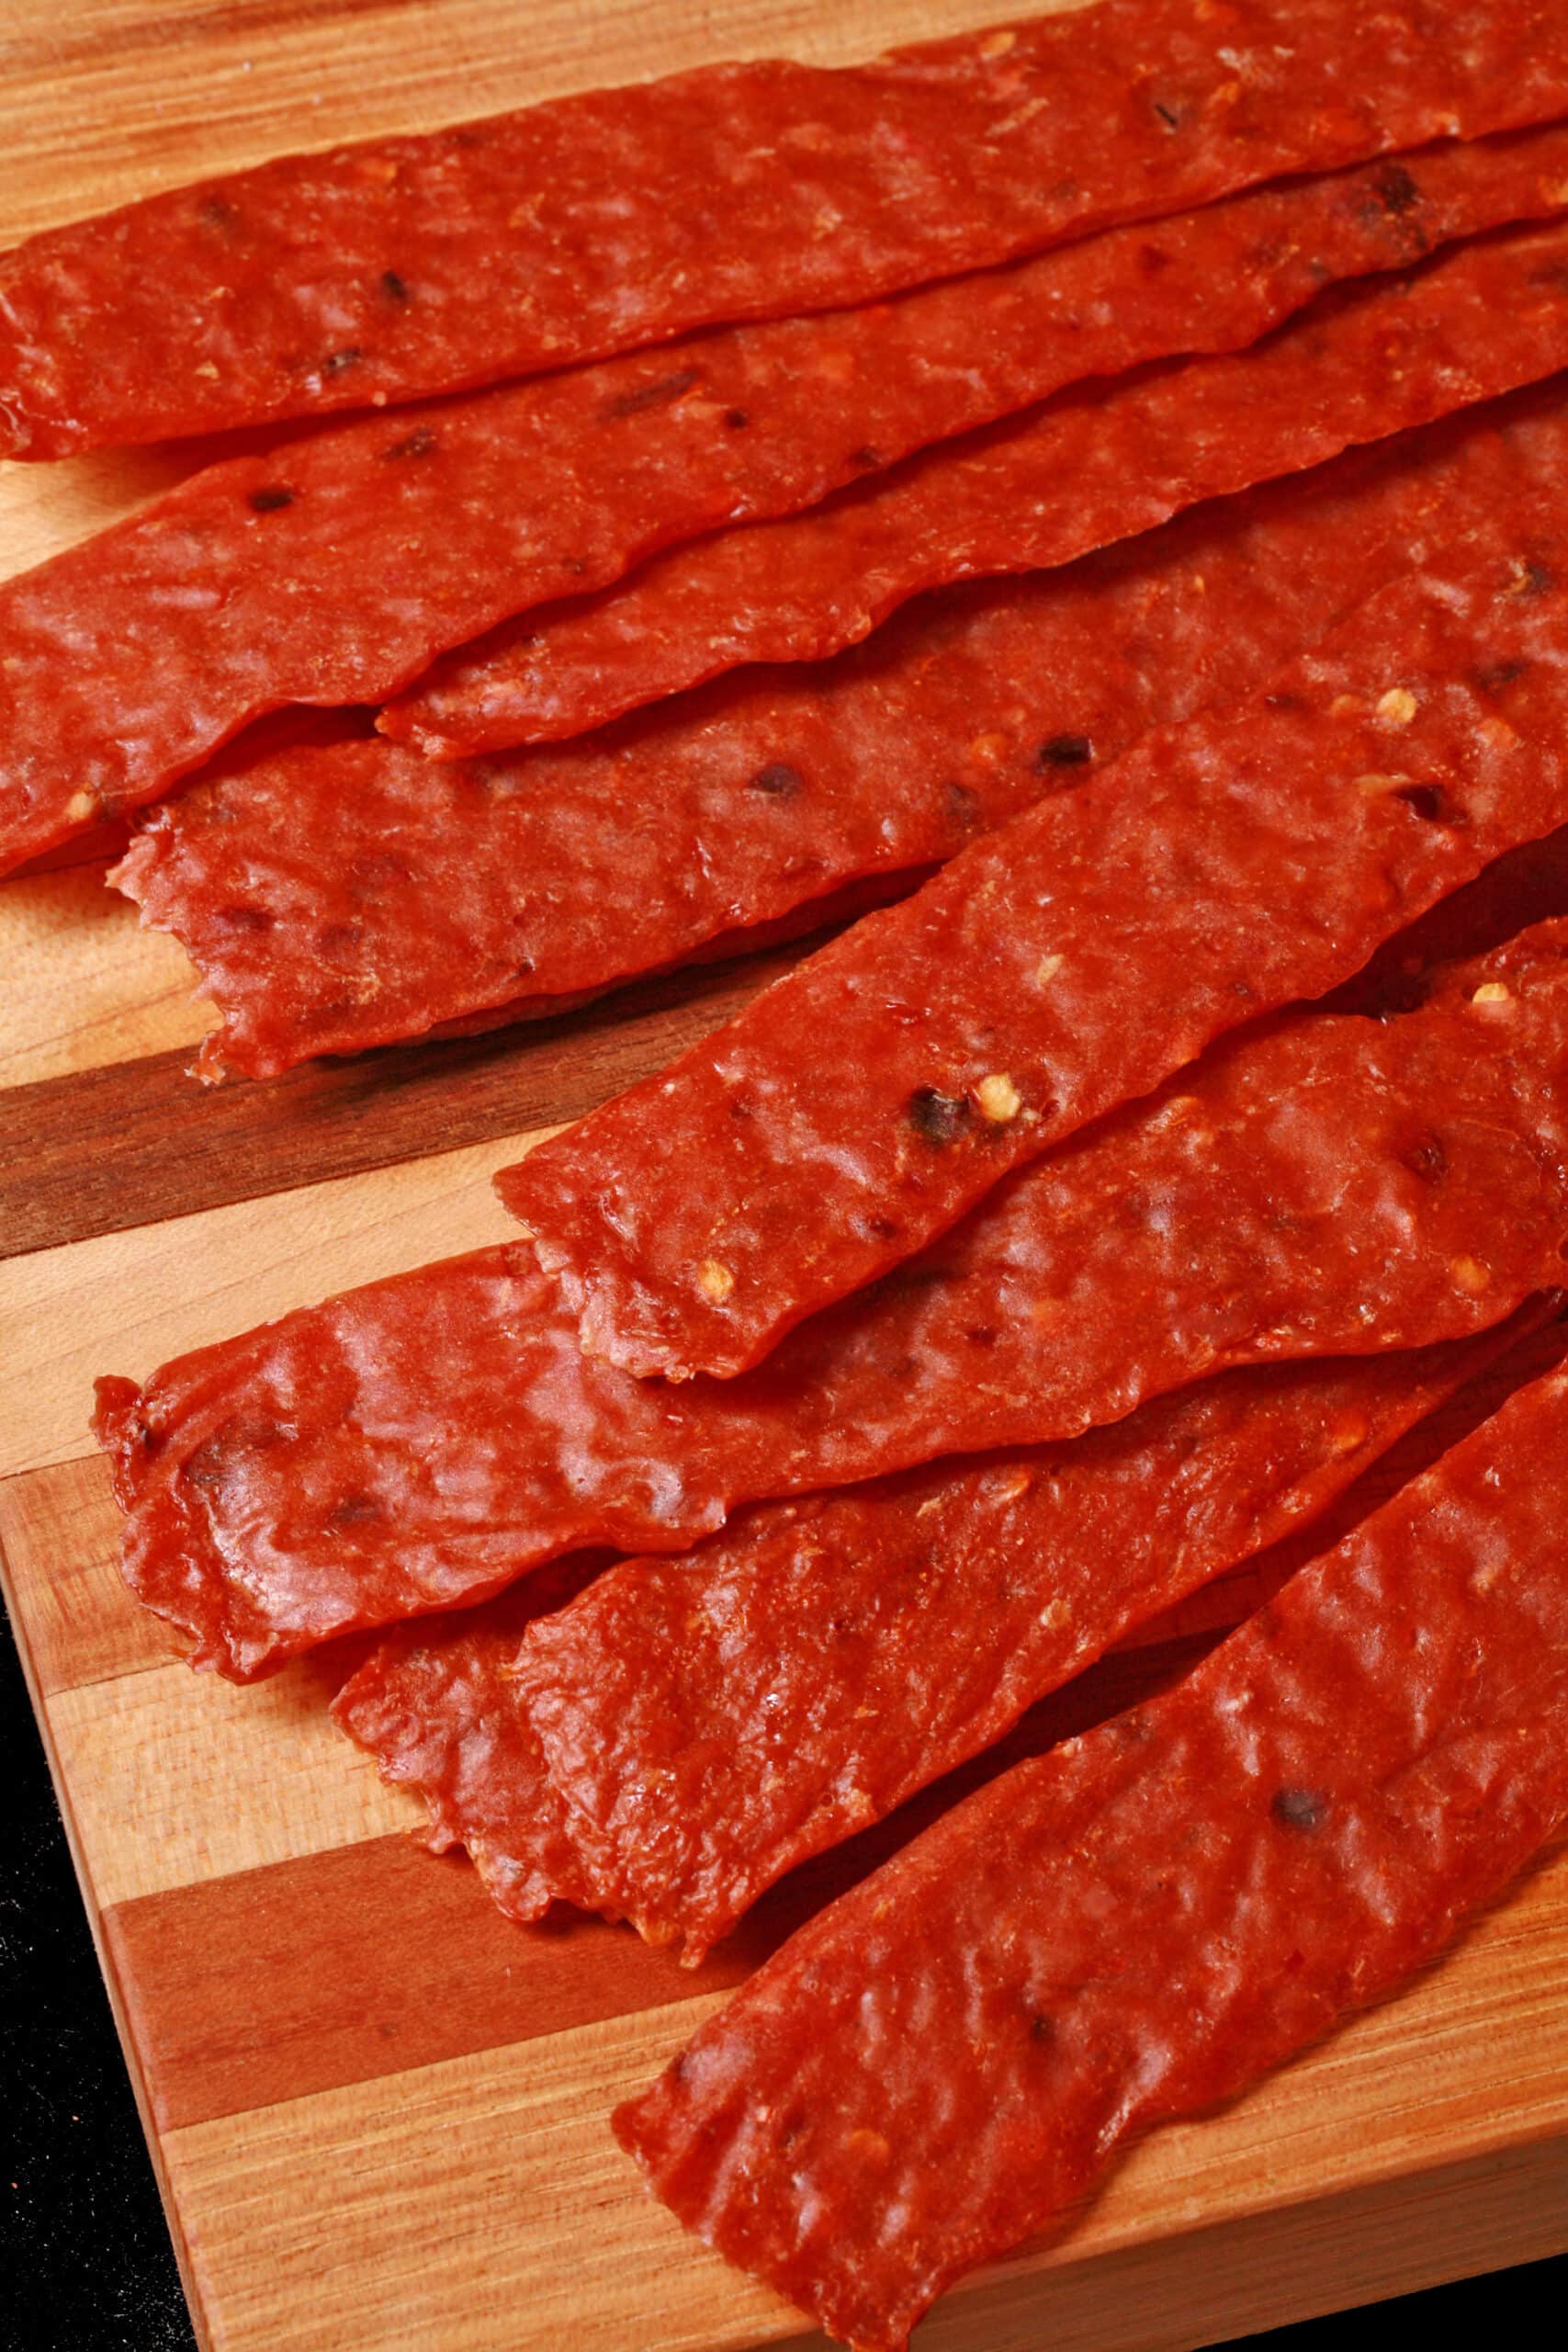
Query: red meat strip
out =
(410, 265)
(332, 571)
(1069, 962)
(1342, 1187)
(344, 898)
(948, 2058)
(688, 1730)
(1042, 489)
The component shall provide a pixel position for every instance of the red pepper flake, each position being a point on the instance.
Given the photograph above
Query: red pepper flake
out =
(1187, 1235)
(1334, 1767)
(1041, 489)
(1090, 947)
(760, 189)
(928, 738)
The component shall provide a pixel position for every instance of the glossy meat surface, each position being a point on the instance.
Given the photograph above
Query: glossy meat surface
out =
(1068, 963)
(334, 898)
(333, 569)
(416, 264)
(1344, 1186)
(1144, 1921)
(689, 1729)
(1041, 489)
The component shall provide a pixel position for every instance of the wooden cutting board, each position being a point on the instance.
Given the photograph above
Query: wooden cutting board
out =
(378, 2112)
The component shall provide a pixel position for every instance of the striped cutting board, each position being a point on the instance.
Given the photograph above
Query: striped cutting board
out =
(377, 2112)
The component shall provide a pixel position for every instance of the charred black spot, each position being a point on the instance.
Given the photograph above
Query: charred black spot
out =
(1065, 752)
(1153, 260)
(865, 460)
(270, 498)
(1168, 115)
(981, 1335)
(339, 938)
(1427, 1160)
(243, 919)
(737, 419)
(217, 213)
(337, 362)
(1493, 676)
(1303, 1809)
(1533, 578)
(1429, 804)
(963, 807)
(657, 394)
(882, 1229)
(939, 1118)
(392, 286)
(420, 443)
(1396, 191)
(1042, 2028)
(354, 1510)
(779, 780)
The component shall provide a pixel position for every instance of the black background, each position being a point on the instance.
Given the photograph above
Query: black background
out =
(87, 2247)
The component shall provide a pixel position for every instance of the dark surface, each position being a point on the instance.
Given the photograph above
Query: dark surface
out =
(84, 2235)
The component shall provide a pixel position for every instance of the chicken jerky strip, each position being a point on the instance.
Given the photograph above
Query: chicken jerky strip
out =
(1108, 460)
(331, 570)
(1068, 963)
(668, 1744)
(415, 264)
(948, 2058)
(344, 898)
(1342, 1187)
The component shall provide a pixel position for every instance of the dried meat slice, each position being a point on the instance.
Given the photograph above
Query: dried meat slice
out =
(1041, 489)
(331, 570)
(1047, 487)
(345, 897)
(1343, 1187)
(1068, 963)
(687, 1730)
(408, 266)
(948, 2058)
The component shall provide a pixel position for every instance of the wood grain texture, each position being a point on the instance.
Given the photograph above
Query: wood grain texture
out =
(114, 1146)
(378, 2112)
(127, 1304)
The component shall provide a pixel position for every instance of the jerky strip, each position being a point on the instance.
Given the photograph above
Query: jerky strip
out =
(417, 1444)
(1097, 465)
(410, 266)
(1069, 962)
(330, 572)
(348, 898)
(949, 2057)
(688, 1730)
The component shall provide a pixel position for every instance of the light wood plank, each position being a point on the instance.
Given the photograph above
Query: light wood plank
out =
(181, 1777)
(126, 1303)
(85, 985)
